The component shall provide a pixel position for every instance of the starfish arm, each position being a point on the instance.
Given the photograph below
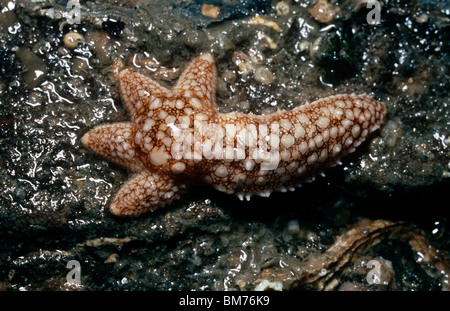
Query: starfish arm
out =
(303, 142)
(199, 80)
(145, 192)
(114, 142)
(139, 91)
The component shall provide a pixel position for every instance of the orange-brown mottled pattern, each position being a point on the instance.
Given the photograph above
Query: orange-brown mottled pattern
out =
(306, 139)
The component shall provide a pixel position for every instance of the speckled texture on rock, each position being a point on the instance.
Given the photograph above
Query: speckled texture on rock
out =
(54, 194)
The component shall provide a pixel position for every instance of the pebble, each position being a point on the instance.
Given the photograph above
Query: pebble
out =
(210, 10)
(71, 39)
(263, 75)
(323, 11)
(282, 8)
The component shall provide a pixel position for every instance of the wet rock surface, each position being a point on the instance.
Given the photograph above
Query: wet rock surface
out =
(385, 204)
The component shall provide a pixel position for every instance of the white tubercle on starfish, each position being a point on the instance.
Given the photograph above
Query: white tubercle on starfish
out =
(177, 137)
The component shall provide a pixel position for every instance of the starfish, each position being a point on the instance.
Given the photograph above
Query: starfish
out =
(177, 137)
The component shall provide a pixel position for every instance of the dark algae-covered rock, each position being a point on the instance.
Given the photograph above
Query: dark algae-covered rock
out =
(376, 221)
(334, 56)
